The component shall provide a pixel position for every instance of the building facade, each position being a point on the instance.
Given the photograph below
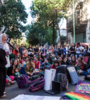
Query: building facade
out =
(82, 22)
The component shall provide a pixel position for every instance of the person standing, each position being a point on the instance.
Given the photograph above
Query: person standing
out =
(3, 40)
(3, 63)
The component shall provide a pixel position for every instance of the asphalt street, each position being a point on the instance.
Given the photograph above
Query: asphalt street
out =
(13, 91)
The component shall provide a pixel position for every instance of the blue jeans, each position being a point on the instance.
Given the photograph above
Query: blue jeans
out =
(85, 74)
(78, 55)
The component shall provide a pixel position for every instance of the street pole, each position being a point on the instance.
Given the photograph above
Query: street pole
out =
(73, 20)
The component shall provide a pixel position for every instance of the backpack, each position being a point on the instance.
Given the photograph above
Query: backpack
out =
(62, 78)
(23, 81)
(61, 69)
(39, 84)
(36, 85)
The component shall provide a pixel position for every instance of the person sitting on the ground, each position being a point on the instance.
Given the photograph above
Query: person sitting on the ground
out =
(17, 73)
(56, 63)
(85, 50)
(40, 57)
(51, 59)
(30, 51)
(85, 73)
(36, 50)
(11, 61)
(73, 60)
(78, 51)
(55, 51)
(67, 49)
(64, 50)
(66, 61)
(37, 64)
(11, 69)
(25, 52)
(79, 64)
(27, 60)
(72, 49)
(28, 69)
(9, 79)
(14, 52)
(60, 60)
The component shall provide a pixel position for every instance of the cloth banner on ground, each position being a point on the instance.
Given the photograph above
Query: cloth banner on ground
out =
(83, 87)
(33, 97)
(49, 77)
(75, 96)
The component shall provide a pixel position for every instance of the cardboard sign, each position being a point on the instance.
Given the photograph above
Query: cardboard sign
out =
(83, 87)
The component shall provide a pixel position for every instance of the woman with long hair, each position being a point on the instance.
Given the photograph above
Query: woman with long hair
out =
(73, 60)
(56, 63)
(60, 60)
(10, 70)
(30, 51)
(40, 57)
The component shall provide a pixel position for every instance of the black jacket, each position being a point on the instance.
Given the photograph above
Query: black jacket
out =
(3, 61)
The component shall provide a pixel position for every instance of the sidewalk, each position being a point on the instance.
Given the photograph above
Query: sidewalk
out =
(13, 91)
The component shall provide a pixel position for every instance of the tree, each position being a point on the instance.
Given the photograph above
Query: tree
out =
(32, 34)
(48, 36)
(63, 38)
(50, 12)
(12, 15)
(36, 34)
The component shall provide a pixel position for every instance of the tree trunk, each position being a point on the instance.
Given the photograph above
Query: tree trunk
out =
(53, 34)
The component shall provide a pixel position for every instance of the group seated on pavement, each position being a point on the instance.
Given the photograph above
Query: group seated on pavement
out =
(33, 60)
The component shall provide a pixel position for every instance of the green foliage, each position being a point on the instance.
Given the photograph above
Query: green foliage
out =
(63, 38)
(36, 34)
(32, 34)
(12, 14)
(50, 13)
(48, 36)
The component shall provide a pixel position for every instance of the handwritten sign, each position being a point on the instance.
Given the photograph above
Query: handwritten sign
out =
(83, 87)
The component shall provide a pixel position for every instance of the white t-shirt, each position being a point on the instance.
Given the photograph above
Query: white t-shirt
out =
(78, 50)
(81, 47)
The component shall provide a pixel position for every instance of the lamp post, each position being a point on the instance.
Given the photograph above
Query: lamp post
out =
(73, 21)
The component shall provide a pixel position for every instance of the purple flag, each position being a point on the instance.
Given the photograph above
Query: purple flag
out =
(83, 87)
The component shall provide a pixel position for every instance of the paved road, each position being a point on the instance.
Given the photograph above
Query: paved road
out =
(13, 91)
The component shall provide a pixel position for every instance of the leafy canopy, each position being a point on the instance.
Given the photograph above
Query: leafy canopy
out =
(36, 34)
(12, 15)
(50, 13)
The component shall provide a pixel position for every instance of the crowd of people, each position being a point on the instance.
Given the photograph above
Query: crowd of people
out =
(22, 60)
(34, 59)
